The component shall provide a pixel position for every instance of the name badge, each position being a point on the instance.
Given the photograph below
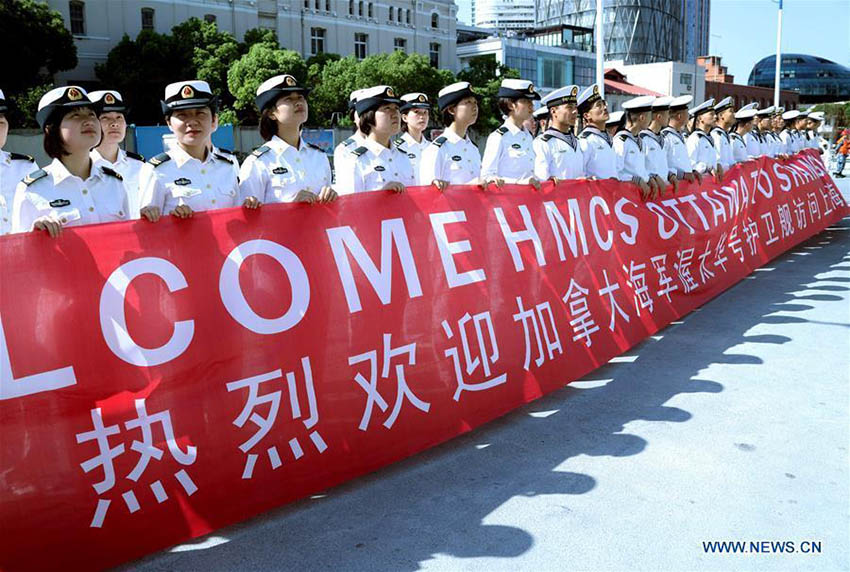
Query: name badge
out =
(186, 192)
(69, 215)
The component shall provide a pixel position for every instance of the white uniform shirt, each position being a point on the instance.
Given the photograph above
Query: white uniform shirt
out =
(813, 139)
(342, 152)
(558, 155)
(789, 141)
(774, 144)
(739, 148)
(597, 153)
(701, 151)
(677, 152)
(176, 178)
(631, 162)
(54, 191)
(128, 165)
(13, 168)
(723, 146)
(509, 155)
(371, 166)
(277, 171)
(408, 145)
(656, 155)
(752, 140)
(452, 159)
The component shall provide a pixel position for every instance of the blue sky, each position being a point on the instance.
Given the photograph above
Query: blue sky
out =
(744, 31)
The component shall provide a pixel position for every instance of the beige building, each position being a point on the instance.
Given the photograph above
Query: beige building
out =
(346, 27)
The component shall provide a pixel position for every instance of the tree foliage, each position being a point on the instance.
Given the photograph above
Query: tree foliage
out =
(485, 74)
(260, 63)
(35, 45)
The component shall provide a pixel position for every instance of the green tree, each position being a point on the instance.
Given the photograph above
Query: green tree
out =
(258, 36)
(141, 68)
(406, 73)
(485, 74)
(260, 63)
(22, 114)
(35, 45)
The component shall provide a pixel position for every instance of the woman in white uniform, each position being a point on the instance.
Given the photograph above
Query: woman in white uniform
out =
(13, 168)
(112, 113)
(286, 168)
(452, 158)
(72, 190)
(415, 114)
(377, 164)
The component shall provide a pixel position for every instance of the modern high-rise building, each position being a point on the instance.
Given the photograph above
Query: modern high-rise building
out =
(637, 31)
(696, 28)
(503, 14)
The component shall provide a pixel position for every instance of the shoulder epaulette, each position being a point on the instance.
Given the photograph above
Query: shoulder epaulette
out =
(316, 147)
(34, 176)
(438, 142)
(159, 159)
(259, 151)
(223, 150)
(584, 135)
(546, 137)
(135, 156)
(112, 173)
(502, 130)
(398, 141)
(348, 141)
(359, 151)
(622, 136)
(21, 157)
(223, 158)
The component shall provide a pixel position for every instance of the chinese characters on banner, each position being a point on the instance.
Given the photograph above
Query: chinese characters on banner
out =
(158, 382)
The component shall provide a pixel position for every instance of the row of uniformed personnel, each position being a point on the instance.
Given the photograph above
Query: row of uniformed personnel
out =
(92, 180)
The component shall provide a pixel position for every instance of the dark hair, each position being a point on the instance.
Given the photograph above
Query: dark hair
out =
(367, 121)
(53, 144)
(268, 124)
(504, 104)
(448, 118)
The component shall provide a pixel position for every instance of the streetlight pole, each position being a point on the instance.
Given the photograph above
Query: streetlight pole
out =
(600, 50)
(778, 56)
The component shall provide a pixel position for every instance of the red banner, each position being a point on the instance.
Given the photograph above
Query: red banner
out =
(160, 381)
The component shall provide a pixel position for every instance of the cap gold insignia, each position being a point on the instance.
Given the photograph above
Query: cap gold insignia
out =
(290, 81)
(390, 92)
(574, 92)
(108, 99)
(596, 89)
(187, 92)
(422, 98)
(531, 89)
(74, 94)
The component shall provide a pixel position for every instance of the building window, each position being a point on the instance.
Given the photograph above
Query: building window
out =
(77, 11)
(360, 9)
(209, 18)
(400, 44)
(361, 43)
(317, 41)
(306, 4)
(147, 18)
(407, 12)
(392, 13)
(371, 11)
(327, 5)
(318, 4)
(435, 20)
(434, 53)
(552, 72)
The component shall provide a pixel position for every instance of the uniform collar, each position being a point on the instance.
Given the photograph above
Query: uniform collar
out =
(59, 172)
(454, 137)
(97, 157)
(279, 146)
(181, 157)
(4, 156)
(408, 138)
(375, 147)
(511, 127)
(596, 131)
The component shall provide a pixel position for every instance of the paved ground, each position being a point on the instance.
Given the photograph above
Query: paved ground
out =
(730, 425)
